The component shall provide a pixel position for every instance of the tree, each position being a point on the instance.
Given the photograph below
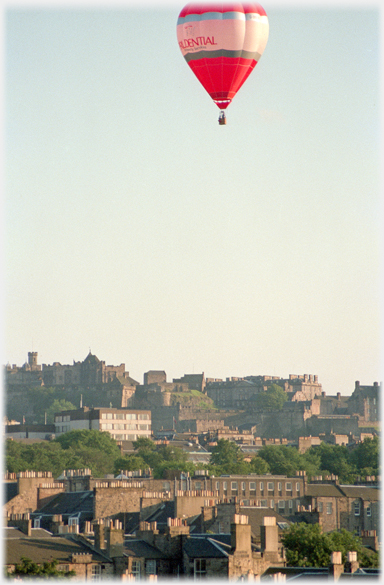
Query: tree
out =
(259, 465)
(94, 439)
(366, 455)
(272, 399)
(43, 456)
(47, 570)
(143, 443)
(227, 458)
(282, 460)
(306, 545)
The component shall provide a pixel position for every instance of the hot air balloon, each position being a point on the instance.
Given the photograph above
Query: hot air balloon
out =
(222, 42)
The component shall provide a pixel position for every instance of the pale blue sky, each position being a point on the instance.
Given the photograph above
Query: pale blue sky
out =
(138, 227)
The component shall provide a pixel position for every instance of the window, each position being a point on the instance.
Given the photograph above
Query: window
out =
(234, 488)
(136, 569)
(320, 507)
(261, 487)
(279, 486)
(369, 511)
(270, 486)
(252, 488)
(225, 488)
(272, 504)
(288, 486)
(96, 573)
(143, 417)
(36, 523)
(263, 503)
(281, 505)
(143, 427)
(329, 507)
(243, 488)
(120, 416)
(357, 508)
(297, 487)
(200, 568)
(109, 415)
(217, 486)
(150, 567)
(197, 485)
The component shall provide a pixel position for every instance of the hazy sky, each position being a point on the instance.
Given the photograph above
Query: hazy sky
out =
(138, 228)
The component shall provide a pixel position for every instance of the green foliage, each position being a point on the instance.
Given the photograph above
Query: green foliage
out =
(306, 545)
(323, 460)
(161, 458)
(259, 466)
(283, 460)
(227, 458)
(366, 455)
(94, 439)
(143, 443)
(74, 450)
(363, 460)
(47, 570)
(129, 463)
(44, 456)
(272, 399)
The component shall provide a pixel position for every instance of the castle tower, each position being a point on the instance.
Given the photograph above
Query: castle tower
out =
(32, 358)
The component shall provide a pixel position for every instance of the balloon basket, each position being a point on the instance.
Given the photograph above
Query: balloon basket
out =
(222, 119)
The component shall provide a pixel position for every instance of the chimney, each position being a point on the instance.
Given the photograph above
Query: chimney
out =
(99, 532)
(269, 534)
(147, 532)
(352, 564)
(336, 568)
(115, 539)
(241, 534)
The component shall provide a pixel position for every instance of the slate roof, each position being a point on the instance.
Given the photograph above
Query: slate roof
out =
(257, 515)
(43, 549)
(207, 546)
(140, 548)
(318, 490)
(9, 491)
(69, 503)
(161, 515)
(361, 491)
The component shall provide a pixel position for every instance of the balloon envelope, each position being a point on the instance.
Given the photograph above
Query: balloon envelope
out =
(222, 42)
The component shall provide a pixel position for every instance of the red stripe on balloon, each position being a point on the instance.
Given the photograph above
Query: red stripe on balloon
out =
(222, 77)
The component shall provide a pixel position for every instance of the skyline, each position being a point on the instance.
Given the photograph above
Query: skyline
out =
(138, 228)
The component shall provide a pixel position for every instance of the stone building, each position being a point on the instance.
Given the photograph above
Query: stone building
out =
(364, 402)
(236, 392)
(90, 372)
(30, 374)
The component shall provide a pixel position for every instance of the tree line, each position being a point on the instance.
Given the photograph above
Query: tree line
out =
(99, 451)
